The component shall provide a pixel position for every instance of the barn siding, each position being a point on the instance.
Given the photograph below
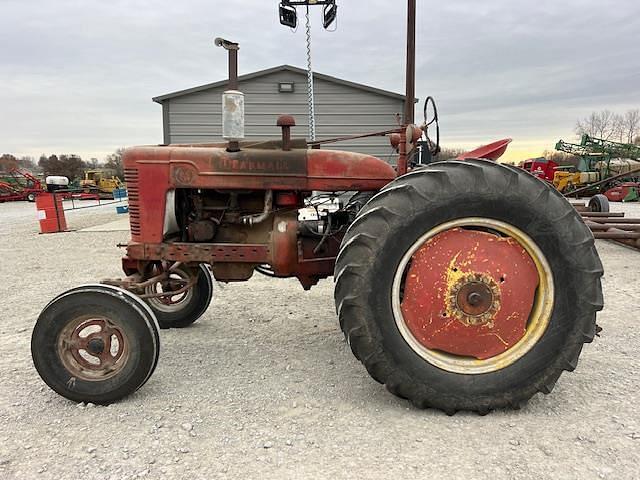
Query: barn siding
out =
(340, 110)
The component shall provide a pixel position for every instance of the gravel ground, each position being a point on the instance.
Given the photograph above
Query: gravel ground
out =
(265, 386)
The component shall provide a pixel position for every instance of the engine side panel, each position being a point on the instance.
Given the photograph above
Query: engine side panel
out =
(152, 171)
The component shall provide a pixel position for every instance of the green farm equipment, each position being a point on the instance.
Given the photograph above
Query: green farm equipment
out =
(599, 160)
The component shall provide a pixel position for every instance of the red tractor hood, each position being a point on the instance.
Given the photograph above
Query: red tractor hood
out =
(261, 168)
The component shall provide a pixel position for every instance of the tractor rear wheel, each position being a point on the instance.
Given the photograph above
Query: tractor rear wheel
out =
(95, 343)
(356, 202)
(181, 310)
(468, 286)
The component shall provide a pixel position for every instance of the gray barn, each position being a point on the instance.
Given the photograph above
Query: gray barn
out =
(342, 108)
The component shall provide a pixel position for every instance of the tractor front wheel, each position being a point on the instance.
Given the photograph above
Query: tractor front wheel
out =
(468, 286)
(182, 309)
(95, 343)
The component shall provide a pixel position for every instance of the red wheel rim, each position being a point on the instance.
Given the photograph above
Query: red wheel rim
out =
(470, 292)
(93, 348)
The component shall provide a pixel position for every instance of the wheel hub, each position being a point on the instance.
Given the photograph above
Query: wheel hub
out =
(95, 346)
(92, 348)
(469, 293)
(170, 303)
(474, 299)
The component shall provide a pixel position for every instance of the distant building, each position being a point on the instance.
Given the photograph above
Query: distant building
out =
(341, 108)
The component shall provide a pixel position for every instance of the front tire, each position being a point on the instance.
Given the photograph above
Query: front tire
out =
(95, 343)
(439, 237)
(182, 310)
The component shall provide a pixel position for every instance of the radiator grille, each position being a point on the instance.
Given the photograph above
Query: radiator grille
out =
(133, 189)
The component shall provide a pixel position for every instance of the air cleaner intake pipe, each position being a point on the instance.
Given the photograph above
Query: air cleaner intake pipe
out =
(232, 99)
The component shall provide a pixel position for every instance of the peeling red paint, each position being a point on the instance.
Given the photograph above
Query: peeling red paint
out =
(454, 258)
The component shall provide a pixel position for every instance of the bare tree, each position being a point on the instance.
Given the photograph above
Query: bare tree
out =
(450, 153)
(28, 163)
(67, 165)
(608, 125)
(8, 162)
(630, 126)
(618, 127)
(114, 162)
(601, 124)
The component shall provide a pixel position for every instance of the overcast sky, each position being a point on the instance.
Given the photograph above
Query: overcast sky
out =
(78, 76)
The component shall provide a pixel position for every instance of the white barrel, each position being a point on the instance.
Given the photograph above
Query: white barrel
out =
(57, 180)
(589, 177)
(233, 115)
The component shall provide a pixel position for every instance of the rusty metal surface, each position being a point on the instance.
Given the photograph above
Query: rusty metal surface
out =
(595, 226)
(402, 154)
(613, 233)
(334, 170)
(200, 252)
(410, 73)
(469, 293)
(292, 255)
(589, 214)
(612, 219)
(153, 171)
(614, 226)
(381, 133)
(92, 348)
(150, 274)
(286, 122)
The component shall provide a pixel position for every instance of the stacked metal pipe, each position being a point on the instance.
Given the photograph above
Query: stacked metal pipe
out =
(614, 226)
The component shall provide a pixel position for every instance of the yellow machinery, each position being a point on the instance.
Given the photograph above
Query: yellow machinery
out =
(96, 180)
(568, 178)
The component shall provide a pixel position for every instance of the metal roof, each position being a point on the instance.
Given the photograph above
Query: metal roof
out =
(248, 76)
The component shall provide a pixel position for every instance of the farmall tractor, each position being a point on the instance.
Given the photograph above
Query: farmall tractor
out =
(460, 285)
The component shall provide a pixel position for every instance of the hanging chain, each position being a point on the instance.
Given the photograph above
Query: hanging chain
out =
(310, 100)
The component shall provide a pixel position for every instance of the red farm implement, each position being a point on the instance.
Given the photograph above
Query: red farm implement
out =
(19, 185)
(541, 167)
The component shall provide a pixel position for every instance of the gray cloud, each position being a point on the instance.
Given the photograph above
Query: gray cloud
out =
(79, 76)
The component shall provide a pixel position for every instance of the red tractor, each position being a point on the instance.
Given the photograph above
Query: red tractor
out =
(460, 285)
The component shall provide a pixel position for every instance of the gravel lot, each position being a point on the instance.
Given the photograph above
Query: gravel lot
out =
(263, 386)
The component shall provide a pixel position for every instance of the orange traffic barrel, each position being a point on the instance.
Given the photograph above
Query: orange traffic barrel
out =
(50, 213)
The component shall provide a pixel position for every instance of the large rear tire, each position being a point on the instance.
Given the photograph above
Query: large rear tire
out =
(468, 286)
